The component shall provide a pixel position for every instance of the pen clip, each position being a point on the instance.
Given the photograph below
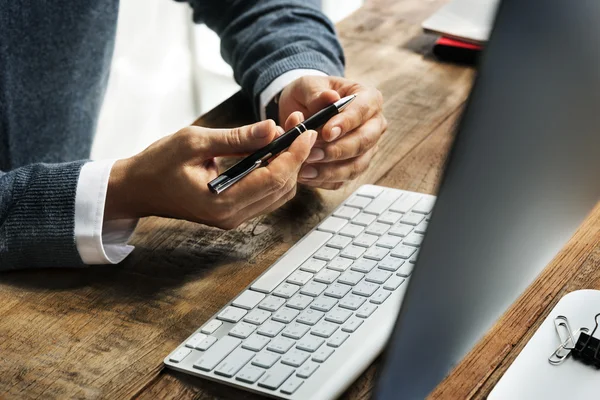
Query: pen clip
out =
(221, 186)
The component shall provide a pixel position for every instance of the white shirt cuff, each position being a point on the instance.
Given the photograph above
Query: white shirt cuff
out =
(280, 83)
(97, 241)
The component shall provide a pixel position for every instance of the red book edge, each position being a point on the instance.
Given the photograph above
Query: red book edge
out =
(446, 41)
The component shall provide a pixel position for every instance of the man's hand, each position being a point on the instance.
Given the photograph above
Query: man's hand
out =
(348, 141)
(170, 177)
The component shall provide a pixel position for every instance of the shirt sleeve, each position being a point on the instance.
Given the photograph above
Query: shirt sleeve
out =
(279, 83)
(99, 241)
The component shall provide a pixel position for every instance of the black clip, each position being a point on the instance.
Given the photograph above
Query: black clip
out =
(587, 348)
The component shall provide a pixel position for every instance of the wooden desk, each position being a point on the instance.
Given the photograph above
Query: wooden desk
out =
(102, 332)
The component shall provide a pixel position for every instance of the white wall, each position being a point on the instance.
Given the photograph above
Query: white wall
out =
(157, 84)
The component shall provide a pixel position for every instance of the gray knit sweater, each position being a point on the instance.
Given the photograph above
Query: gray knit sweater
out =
(54, 63)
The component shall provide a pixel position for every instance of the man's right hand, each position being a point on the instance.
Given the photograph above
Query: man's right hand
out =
(170, 177)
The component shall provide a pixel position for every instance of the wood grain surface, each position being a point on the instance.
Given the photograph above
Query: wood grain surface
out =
(102, 332)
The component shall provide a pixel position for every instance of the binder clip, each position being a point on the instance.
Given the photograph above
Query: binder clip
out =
(585, 349)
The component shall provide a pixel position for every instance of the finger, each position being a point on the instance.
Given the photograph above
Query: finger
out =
(341, 171)
(322, 100)
(294, 119)
(352, 145)
(324, 185)
(367, 103)
(242, 140)
(268, 205)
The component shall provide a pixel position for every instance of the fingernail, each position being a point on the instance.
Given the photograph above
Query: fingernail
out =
(316, 155)
(336, 132)
(260, 130)
(309, 172)
(280, 130)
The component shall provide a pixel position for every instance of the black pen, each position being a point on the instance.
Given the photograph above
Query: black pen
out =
(262, 156)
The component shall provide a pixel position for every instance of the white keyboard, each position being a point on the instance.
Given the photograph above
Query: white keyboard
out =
(318, 317)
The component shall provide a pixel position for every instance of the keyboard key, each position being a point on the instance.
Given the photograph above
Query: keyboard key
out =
(405, 270)
(248, 300)
(313, 265)
(338, 339)
(178, 355)
(285, 315)
(382, 202)
(378, 276)
(265, 359)
(217, 353)
(365, 289)
(377, 228)
(295, 357)
(364, 219)
(211, 327)
(346, 212)
(376, 253)
(380, 296)
(295, 330)
(366, 310)
(352, 301)
(255, 342)
(257, 317)
(413, 259)
(323, 303)
(353, 252)
(310, 317)
(414, 239)
(339, 242)
(310, 343)
(206, 343)
(337, 290)
(424, 206)
(195, 340)
(389, 217)
(270, 328)
(339, 264)
(313, 288)
(286, 290)
(327, 276)
(322, 354)
(275, 377)
(291, 385)
(422, 227)
(393, 283)
(290, 261)
(369, 191)
(351, 277)
(332, 224)
(281, 344)
(403, 251)
(352, 324)
(389, 241)
(242, 330)
(358, 202)
(365, 240)
(234, 362)
(307, 369)
(338, 315)
(299, 277)
(390, 263)
(299, 301)
(412, 219)
(250, 374)
(231, 314)
(405, 203)
(351, 230)
(400, 230)
(363, 265)
(324, 329)
(271, 303)
(326, 253)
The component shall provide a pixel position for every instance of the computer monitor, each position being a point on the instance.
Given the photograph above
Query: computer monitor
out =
(523, 173)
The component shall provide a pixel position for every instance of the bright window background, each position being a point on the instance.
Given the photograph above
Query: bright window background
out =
(166, 71)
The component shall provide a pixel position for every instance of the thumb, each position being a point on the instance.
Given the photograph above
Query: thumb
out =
(242, 140)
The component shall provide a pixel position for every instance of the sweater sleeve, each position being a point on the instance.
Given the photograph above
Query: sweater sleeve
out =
(37, 216)
(264, 39)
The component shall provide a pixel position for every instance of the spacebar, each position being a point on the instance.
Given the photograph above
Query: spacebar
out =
(290, 261)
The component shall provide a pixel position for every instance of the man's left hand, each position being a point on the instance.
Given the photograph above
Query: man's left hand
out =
(347, 143)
